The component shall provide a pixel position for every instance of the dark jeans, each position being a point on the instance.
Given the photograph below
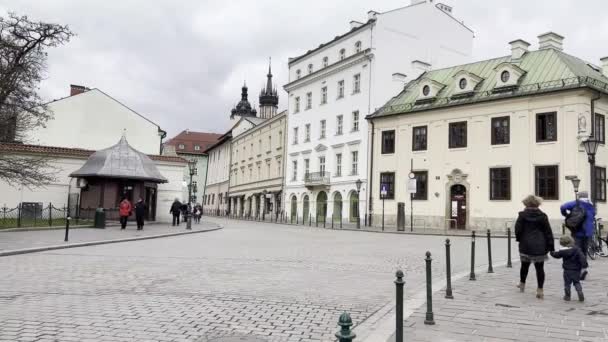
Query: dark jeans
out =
(123, 221)
(540, 273)
(583, 244)
(140, 222)
(176, 219)
(572, 277)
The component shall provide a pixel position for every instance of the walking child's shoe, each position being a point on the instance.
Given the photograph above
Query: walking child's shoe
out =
(521, 287)
(540, 294)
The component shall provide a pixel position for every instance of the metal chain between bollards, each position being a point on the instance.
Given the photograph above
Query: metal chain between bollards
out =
(490, 268)
(399, 283)
(472, 275)
(509, 264)
(345, 334)
(429, 320)
(448, 271)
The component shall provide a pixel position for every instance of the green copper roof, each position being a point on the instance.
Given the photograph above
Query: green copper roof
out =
(545, 71)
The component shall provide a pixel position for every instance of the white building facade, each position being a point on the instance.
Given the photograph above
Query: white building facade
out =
(335, 86)
(484, 135)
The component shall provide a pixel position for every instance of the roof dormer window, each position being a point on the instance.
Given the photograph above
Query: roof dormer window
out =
(342, 54)
(504, 76)
(358, 47)
(462, 84)
(310, 68)
(429, 89)
(298, 74)
(508, 76)
(426, 90)
(467, 82)
(325, 61)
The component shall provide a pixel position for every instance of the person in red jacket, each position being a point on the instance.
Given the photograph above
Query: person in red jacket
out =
(124, 210)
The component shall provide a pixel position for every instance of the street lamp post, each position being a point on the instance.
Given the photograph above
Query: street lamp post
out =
(192, 170)
(591, 148)
(358, 185)
(264, 193)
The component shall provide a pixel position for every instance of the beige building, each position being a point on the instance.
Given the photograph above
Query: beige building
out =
(479, 137)
(215, 199)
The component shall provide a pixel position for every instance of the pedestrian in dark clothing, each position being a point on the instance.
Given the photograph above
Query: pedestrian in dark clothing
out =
(533, 232)
(573, 262)
(585, 233)
(184, 210)
(175, 211)
(124, 211)
(140, 212)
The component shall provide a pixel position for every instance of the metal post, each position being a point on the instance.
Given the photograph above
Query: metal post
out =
(19, 215)
(324, 219)
(332, 221)
(411, 212)
(340, 220)
(67, 224)
(429, 291)
(358, 213)
(345, 334)
(399, 283)
(509, 264)
(490, 268)
(472, 275)
(448, 271)
(383, 214)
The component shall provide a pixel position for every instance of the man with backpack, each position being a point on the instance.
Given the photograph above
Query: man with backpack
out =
(580, 219)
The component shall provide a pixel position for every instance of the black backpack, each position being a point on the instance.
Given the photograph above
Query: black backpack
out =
(576, 218)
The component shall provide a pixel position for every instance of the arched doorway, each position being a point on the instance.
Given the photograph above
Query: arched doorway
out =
(305, 209)
(321, 206)
(294, 208)
(458, 206)
(354, 206)
(337, 214)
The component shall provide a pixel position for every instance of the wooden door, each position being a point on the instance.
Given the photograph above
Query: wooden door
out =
(458, 209)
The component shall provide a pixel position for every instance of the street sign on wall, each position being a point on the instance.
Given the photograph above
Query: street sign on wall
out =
(411, 186)
(383, 190)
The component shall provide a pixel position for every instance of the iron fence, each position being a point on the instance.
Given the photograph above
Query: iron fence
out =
(36, 214)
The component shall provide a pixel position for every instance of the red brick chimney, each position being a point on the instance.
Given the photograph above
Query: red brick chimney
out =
(77, 89)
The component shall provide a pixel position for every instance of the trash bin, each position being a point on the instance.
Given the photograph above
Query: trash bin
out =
(100, 218)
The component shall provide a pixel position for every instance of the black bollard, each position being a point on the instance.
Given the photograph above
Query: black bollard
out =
(490, 268)
(332, 221)
(509, 264)
(472, 275)
(429, 291)
(324, 220)
(345, 334)
(448, 271)
(399, 309)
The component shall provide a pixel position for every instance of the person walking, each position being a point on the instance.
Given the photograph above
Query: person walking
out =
(124, 211)
(140, 211)
(533, 232)
(573, 262)
(175, 211)
(585, 231)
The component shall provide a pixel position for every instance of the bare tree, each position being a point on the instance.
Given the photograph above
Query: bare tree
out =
(23, 45)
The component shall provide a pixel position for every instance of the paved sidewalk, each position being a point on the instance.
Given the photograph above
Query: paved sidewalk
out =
(20, 240)
(493, 309)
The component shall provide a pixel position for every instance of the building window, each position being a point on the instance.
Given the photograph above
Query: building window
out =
(421, 185)
(181, 146)
(306, 167)
(458, 134)
(339, 124)
(355, 163)
(325, 61)
(294, 165)
(356, 83)
(324, 95)
(388, 142)
(419, 138)
(462, 84)
(279, 168)
(500, 183)
(323, 126)
(213, 199)
(322, 165)
(342, 54)
(387, 180)
(298, 74)
(600, 184)
(426, 90)
(269, 143)
(308, 100)
(297, 105)
(307, 133)
(338, 164)
(358, 47)
(295, 135)
(546, 127)
(504, 76)
(356, 121)
(310, 69)
(546, 182)
(500, 130)
(600, 128)
(197, 147)
(340, 89)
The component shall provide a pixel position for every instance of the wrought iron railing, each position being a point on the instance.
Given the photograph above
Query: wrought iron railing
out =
(315, 178)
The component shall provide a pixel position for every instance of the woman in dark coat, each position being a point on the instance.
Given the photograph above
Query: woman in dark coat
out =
(533, 232)
(140, 212)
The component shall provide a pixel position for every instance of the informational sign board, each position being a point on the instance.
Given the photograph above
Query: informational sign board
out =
(383, 190)
(411, 186)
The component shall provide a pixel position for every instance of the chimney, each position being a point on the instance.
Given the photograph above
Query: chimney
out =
(371, 15)
(550, 40)
(77, 89)
(518, 48)
(604, 61)
(354, 24)
(420, 65)
(399, 77)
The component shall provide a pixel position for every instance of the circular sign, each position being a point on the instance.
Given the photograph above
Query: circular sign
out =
(411, 175)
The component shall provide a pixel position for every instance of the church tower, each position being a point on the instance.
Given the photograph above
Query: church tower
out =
(269, 98)
(243, 108)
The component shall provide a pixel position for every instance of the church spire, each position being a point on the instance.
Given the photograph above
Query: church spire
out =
(269, 98)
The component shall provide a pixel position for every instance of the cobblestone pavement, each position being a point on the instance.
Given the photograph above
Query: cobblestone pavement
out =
(14, 240)
(492, 309)
(275, 282)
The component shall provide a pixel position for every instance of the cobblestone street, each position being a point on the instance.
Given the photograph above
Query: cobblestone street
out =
(281, 283)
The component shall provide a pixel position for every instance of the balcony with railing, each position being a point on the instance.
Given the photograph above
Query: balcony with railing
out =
(316, 179)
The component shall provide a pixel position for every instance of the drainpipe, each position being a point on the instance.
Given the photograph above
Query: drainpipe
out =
(162, 135)
(371, 175)
(592, 166)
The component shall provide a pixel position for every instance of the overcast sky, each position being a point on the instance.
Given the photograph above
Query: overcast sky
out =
(182, 63)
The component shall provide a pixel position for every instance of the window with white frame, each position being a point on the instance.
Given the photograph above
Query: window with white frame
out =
(342, 54)
(340, 89)
(260, 146)
(294, 174)
(308, 100)
(307, 133)
(357, 83)
(295, 135)
(278, 168)
(325, 61)
(339, 124)
(306, 167)
(181, 146)
(197, 147)
(322, 165)
(324, 95)
(297, 105)
(355, 163)
(358, 47)
(338, 164)
(356, 121)
(298, 74)
(323, 127)
(310, 69)
(269, 143)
